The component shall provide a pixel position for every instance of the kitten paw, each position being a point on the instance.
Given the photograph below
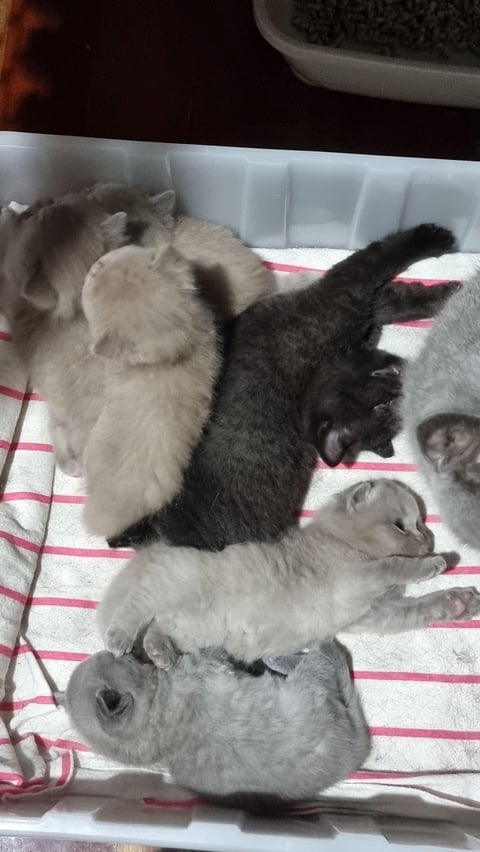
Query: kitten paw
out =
(117, 641)
(434, 240)
(433, 565)
(159, 649)
(71, 467)
(457, 604)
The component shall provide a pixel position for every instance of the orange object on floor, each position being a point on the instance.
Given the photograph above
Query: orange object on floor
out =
(19, 20)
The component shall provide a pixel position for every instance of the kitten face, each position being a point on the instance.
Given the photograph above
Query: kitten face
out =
(388, 516)
(138, 303)
(451, 443)
(107, 698)
(357, 409)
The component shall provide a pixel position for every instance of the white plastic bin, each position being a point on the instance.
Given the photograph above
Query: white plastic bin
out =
(276, 199)
(365, 73)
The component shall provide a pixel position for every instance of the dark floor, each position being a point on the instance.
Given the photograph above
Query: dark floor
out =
(199, 71)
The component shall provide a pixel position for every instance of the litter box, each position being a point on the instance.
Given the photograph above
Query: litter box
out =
(362, 73)
(271, 199)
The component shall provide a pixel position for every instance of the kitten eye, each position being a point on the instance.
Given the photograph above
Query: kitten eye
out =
(399, 525)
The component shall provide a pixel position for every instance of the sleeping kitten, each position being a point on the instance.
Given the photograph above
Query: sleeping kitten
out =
(228, 273)
(219, 730)
(250, 473)
(441, 410)
(347, 570)
(45, 254)
(158, 338)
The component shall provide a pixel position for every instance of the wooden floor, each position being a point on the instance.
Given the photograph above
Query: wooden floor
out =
(191, 71)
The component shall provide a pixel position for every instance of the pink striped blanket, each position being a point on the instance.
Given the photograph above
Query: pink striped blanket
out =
(421, 691)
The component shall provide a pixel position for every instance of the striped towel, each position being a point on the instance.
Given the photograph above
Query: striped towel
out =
(421, 691)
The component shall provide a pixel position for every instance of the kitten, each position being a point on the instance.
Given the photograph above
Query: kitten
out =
(45, 254)
(221, 731)
(229, 274)
(158, 339)
(347, 570)
(441, 410)
(355, 406)
(250, 473)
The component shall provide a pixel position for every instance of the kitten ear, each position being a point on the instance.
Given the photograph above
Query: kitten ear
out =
(111, 346)
(171, 263)
(333, 442)
(385, 451)
(146, 351)
(163, 203)
(361, 493)
(112, 705)
(114, 230)
(450, 441)
(39, 292)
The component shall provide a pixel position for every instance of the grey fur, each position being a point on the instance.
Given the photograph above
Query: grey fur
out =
(45, 254)
(221, 731)
(261, 599)
(159, 343)
(441, 411)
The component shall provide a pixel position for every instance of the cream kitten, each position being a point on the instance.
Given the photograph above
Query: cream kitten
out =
(158, 339)
(255, 600)
(229, 273)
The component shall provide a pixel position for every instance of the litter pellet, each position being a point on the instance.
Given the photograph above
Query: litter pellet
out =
(440, 26)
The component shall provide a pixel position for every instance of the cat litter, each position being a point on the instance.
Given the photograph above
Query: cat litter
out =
(411, 50)
(392, 26)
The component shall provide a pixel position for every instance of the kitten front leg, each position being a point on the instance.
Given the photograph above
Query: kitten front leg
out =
(399, 614)
(392, 571)
(122, 630)
(159, 648)
(398, 302)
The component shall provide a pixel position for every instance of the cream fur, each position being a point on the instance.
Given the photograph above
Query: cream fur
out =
(158, 340)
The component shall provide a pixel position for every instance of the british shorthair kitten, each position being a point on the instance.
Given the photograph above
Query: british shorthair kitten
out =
(346, 570)
(254, 742)
(157, 339)
(45, 254)
(441, 411)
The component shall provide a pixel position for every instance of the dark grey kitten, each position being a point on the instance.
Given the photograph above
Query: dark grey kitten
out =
(219, 730)
(441, 409)
(277, 405)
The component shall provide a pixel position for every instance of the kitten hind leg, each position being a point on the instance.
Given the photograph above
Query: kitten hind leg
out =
(399, 614)
(398, 302)
(65, 456)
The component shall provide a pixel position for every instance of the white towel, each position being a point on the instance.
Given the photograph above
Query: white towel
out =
(421, 691)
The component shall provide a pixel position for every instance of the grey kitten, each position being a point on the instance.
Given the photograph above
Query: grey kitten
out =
(347, 570)
(45, 254)
(441, 411)
(222, 731)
